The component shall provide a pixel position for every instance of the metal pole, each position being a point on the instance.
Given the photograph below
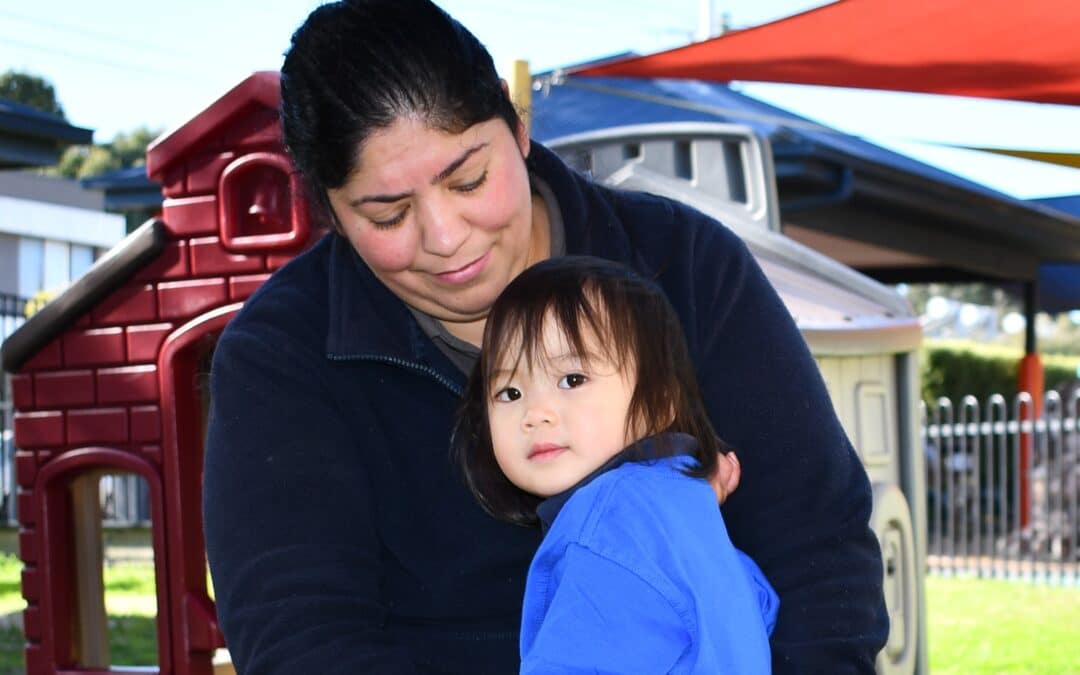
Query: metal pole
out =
(1030, 379)
(520, 86)
(705, 20)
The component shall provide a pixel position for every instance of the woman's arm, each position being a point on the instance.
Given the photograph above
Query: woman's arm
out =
(803, 504)
(290, 535)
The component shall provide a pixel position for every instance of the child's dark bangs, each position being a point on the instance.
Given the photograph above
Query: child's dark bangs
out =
(614, 319)
(504, 332)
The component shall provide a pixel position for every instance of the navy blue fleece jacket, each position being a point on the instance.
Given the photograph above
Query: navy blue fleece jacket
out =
(340, 538)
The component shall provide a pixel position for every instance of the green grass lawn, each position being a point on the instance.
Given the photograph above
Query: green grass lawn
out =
(979, 626)
(129, 601)
(975, 626)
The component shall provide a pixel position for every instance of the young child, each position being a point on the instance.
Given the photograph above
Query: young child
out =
(583, 416)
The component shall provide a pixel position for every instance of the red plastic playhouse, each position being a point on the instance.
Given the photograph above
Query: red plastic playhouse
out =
(110, 378)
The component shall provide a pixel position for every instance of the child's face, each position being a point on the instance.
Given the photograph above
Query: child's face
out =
(555, 421)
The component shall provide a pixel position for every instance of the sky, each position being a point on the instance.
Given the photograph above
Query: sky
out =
(121, 64)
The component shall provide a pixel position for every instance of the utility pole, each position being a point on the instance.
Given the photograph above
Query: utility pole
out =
(705, 20)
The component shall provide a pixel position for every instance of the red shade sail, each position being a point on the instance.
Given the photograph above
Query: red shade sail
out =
(1026, 51)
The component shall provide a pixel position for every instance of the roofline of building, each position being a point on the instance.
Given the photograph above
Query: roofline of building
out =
(21, 120)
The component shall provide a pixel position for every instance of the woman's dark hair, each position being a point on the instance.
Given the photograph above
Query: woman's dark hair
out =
(635, 326)
(356, 66)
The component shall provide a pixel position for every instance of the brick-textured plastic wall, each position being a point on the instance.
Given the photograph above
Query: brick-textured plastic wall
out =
(98, 383)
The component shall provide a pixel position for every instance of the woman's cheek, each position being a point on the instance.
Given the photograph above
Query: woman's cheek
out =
(385, 251)
(494, 212)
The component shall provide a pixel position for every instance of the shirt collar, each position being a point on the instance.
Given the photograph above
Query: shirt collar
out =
(647, 449)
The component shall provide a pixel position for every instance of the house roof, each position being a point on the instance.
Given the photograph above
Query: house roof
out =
(834, 183)
(126, 189)
(29, 137)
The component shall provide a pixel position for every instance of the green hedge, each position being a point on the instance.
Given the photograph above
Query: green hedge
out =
(955, 369)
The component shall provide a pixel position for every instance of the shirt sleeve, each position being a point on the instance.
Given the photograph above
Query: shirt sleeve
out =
(604, 618)
(290, 534)
(802, 509)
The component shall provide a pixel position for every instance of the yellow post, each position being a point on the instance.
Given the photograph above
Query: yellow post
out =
(521, 90)
(89, 548)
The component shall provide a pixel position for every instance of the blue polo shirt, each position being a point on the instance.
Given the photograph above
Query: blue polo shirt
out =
(637, 574)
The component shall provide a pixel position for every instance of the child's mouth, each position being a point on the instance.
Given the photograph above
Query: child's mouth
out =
(542, 452)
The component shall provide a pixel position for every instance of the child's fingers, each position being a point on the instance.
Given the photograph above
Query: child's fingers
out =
(727, 476)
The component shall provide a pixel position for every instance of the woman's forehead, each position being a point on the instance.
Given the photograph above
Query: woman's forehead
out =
(411, 145)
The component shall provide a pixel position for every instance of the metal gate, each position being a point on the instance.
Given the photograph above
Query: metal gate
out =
(1002, 487)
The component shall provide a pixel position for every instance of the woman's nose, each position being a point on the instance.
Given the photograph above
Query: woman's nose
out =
(442, 232)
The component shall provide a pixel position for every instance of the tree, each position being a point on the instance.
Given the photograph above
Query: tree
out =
(130, 148)
(123, 151)
(30, 90)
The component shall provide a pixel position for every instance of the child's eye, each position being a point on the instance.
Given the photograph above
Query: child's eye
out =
(507, 394)
(572, 381)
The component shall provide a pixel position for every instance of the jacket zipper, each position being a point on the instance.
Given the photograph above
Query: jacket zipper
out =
(409, 365)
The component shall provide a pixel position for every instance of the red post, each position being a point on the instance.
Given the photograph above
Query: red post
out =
(1030, 379)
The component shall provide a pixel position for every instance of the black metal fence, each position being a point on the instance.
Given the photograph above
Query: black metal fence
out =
(1003, 488)
(12, 315)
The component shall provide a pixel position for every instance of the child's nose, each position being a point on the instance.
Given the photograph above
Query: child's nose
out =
(539, 414)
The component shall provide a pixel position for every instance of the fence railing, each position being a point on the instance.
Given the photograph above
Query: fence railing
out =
(1002, 487)
(12, 315)
(7, 456)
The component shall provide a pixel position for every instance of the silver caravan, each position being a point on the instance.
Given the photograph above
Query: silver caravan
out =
(863, 335)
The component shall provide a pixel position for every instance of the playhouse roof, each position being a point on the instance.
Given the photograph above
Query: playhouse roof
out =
(246, 115)
(107, 274)
(261, 88)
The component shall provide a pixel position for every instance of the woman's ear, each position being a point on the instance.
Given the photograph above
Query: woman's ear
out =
(522, 137)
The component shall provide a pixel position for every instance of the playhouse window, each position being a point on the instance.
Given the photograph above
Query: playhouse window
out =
(115, 595)
(258, 207)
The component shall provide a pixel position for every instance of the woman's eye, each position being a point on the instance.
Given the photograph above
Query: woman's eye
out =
(469, 187)
(390, 222)
(508, 394)
(572, 380)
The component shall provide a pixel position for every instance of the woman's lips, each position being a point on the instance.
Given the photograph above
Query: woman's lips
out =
(543, 452)
(466, 273)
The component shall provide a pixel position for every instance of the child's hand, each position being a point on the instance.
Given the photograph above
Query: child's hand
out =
(726, 478)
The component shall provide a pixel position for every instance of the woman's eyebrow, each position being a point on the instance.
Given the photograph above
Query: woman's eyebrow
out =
(382, 199)
(454, 165)
(441, 176)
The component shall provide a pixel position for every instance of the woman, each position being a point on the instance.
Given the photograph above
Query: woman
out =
(339, 536)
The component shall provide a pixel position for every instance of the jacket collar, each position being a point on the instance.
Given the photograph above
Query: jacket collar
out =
(365, 318)
(367, 321)
(647, 449)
